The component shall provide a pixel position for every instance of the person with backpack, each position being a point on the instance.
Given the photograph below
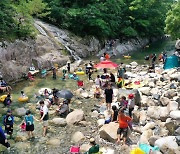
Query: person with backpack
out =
(7, 100)
(29, 122)
(8, 121)
(3, 139)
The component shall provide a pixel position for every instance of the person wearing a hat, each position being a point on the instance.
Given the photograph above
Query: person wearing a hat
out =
(131, 104)
(63, 109)
(94, 148)
(8, 121)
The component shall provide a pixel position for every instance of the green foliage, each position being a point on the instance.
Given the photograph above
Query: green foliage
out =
(173, 21)
(17, 17)
(110, 18)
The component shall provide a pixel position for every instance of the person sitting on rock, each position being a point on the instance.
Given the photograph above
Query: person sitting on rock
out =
(123, 126)
(63, 109)
(97, 92)
(95, 147)
(131, 104)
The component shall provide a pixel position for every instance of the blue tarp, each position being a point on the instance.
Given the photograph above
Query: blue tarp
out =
(171, 62)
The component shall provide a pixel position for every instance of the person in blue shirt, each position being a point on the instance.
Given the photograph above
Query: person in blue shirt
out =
(29, 120)
(3, 139)
(8, 121)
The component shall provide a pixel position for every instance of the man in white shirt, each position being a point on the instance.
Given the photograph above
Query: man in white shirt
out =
(44, 116)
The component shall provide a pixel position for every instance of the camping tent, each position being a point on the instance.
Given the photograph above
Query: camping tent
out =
(171, 62)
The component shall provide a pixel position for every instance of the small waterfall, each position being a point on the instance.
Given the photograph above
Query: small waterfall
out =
(59, 35)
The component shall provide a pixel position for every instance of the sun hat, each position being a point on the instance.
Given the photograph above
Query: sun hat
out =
(92, 140)
(130, 96)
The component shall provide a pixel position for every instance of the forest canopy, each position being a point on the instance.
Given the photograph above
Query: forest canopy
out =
(100, 18)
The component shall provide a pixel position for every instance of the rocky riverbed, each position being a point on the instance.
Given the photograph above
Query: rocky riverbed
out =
(156, 118)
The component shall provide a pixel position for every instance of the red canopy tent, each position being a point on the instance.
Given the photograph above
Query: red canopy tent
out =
(106, 64)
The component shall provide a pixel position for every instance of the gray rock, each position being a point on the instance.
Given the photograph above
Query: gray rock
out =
(152, 140)
(75, 117)
(109, 132)
(145, 91)
(53, 142)
(173, 105)
(59, 122)
(177, 131)
(77, 137)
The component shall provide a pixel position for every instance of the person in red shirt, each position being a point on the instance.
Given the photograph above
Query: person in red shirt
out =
(123, 126)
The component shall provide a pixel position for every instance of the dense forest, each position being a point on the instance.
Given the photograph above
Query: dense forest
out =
(100, 18)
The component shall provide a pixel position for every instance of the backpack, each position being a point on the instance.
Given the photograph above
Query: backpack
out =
(8, 120)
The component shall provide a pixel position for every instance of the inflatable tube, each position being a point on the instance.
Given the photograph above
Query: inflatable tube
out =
(23, 99)
(41, 91)
(137, 151)
(2, 98)
(127, 57)
(80, 73)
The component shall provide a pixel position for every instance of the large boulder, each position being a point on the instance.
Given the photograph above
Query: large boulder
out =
(59, 122)
(143, 117)
(151, 112)
(77, 136)
(163, 113)
(134, 63)
(170, 93)
(171, 126)
(109, 132)
(75, 117)
(168, 143)
(149, 125)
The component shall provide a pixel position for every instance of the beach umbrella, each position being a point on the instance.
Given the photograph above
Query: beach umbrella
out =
(64, 94)
(106, 64)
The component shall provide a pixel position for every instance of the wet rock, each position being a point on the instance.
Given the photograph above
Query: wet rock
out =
(59, 122)
(175, 114)
(109, 132)
(164, 100)
(84, 148)
(168, 143)
(75, 117)
(53, 142)
(77, 137)
(20, 111)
